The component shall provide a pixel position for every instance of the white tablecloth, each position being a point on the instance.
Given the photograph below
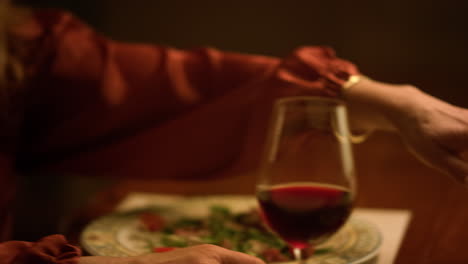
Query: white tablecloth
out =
(392, 224)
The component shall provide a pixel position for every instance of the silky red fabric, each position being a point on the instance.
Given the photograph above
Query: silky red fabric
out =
(51, 249)
(103, 108)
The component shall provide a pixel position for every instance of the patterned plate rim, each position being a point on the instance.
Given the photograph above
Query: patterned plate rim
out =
(373, 229)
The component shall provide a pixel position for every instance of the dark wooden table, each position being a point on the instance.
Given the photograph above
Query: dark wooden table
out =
(388, 177)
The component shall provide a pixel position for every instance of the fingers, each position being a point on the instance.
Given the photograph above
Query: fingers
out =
(456, 167)
(234, 257)
(225, 256)
(450, 164)
(206, 254)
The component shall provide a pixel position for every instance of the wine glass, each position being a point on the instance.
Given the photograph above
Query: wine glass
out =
(306, 184)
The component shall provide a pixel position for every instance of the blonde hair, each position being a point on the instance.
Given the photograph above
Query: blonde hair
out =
(11, 70)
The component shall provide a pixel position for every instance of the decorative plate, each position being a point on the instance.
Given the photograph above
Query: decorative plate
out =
(120, 234)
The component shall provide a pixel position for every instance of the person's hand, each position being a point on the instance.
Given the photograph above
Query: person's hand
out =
(202, 254)
(435, 131)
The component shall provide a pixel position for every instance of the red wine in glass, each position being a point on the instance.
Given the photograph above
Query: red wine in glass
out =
(301, 213)
(306, 182)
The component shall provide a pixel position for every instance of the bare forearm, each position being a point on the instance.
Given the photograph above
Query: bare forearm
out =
(104, 260)
(434, 130)
(373, 105)
(189, 255)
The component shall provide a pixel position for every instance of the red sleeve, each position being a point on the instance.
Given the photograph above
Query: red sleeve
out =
(49, 250)
(103, 107)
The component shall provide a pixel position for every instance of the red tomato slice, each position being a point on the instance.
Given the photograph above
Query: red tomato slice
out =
(151, 221)
(162, 249)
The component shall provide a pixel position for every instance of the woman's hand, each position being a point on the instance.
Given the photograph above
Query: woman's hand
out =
(202, 254)
(435, 131)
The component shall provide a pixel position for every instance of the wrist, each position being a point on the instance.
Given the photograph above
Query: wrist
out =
(376, 105)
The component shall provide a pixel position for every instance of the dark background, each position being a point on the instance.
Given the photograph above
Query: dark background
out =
(403, 41)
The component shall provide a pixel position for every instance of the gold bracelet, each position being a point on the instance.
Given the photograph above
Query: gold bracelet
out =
(352, 80)
(361, 137)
